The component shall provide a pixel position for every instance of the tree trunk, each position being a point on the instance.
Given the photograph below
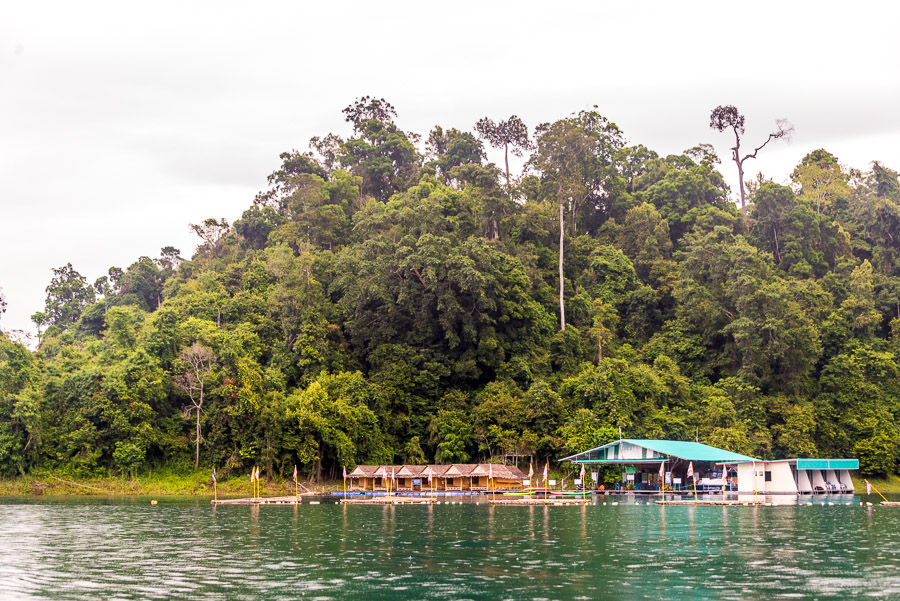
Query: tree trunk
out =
(197, 459)
(506, 160)
(562, 303)
(599, 349)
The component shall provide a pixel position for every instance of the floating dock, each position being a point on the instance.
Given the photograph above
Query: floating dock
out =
(290, 500)
(388, 501)
(547, 501)
(890, 503)
(711, 502)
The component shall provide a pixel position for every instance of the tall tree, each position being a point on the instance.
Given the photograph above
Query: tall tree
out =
(198, 364)
(575, 156)
(725, 117)
(510, 135)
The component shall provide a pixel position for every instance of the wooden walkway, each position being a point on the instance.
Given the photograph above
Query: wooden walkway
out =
(548, 501)
(290, 500)
(711, 502)
(388, 501)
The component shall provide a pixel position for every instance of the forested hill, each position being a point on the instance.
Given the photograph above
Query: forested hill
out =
(393, 298)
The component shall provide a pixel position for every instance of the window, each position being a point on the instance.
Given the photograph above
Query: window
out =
(768, 476)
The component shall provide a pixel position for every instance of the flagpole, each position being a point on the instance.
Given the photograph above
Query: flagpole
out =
(296, 486)
(345, 483)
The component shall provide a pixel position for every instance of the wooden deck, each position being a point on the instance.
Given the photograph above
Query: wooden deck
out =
(290, 500)
(388, 501)
(711, 502)
(897, 503)
(540, 501)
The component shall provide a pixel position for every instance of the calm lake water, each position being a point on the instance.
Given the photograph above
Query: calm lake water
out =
(184, 549)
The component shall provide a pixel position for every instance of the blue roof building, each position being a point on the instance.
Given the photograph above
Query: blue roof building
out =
(713, 468)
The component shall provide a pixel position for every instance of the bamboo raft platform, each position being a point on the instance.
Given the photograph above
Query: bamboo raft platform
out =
(289, 500)
(891, 503)
(547, 501)
(711, 502)
(388, 501)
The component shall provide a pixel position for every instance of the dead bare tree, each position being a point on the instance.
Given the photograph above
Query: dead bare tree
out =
(723, 117)
(198, 362)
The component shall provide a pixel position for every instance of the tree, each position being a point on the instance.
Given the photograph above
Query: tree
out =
(724, 117)
(820, 178)
(368, 108)
(67, 296)
(198, 362)
(575, 156)
(510, 135)
(212, 232)
(452, 148)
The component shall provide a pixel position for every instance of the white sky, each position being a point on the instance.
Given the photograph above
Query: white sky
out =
(120, 125)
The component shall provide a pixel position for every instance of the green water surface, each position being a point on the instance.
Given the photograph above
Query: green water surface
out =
(185, 549)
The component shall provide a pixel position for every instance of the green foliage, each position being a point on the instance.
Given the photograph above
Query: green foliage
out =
(369, 307)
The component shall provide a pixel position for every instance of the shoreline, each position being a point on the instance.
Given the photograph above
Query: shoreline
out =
(200, 485)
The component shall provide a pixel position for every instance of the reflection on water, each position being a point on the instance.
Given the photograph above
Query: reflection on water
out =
(89, 549)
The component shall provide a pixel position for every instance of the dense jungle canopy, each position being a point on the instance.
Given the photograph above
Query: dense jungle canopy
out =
(393, 298)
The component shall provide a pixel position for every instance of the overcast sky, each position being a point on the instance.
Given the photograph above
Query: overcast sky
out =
(122, 124)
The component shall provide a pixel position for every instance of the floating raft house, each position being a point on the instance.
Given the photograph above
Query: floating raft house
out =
(458, 477)
(716, 470)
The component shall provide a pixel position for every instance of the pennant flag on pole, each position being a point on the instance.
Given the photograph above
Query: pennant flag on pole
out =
(662, 471)
(345, 473)
(582, 471)
(429, 474)
(868, 488)
(690, 473)
(295, 474)
(546, 470)
(252, 475)
(530, 470)
(490, 471)
(214, 475)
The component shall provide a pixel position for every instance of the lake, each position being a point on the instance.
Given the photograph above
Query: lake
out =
(106, 549)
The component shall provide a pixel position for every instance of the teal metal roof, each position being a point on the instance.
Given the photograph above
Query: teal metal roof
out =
(827, 464)
(690, 451)
(817, 464)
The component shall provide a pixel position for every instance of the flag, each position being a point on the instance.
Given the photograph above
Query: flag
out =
(345, 473)
(214, 475)
(295, 474)
(868, 488)
(429, 475)
(490, 471)
(662, 471)
(582, 472)
(546, 470)
(252, 475)
(393, 476)
(690, 473)
(530, 470)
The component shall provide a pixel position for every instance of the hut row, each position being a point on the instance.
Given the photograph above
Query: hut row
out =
(456, 477)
